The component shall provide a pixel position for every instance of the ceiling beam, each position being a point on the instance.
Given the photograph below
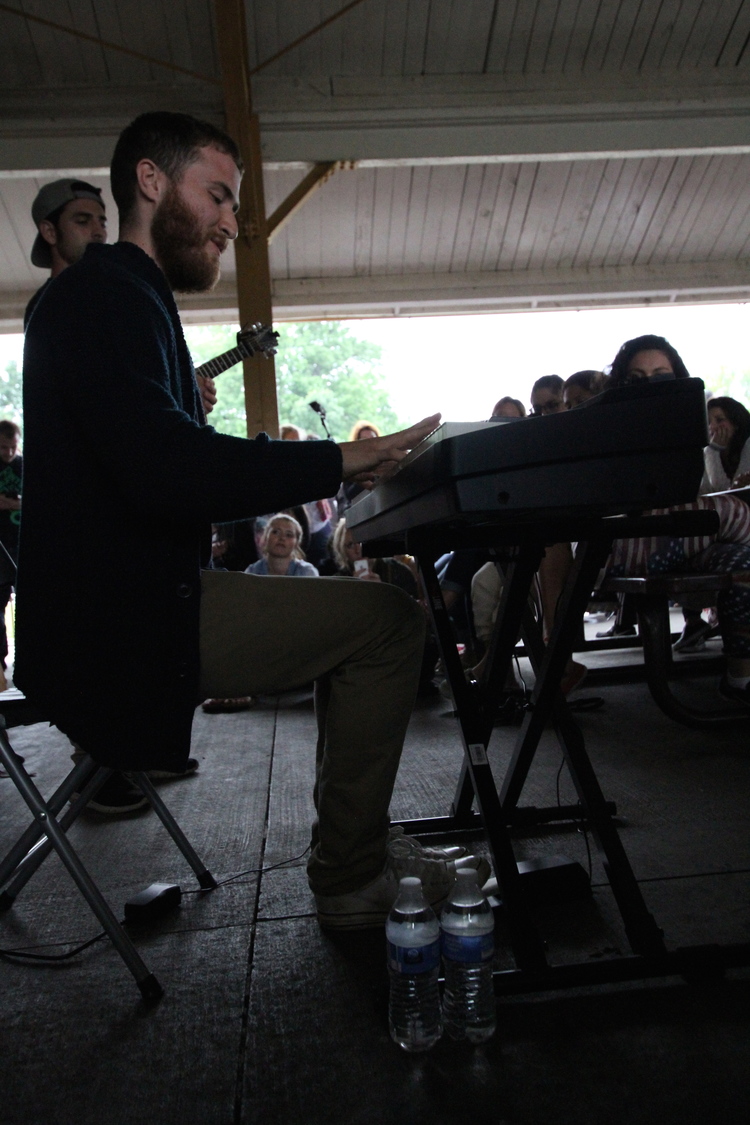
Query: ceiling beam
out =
(426, 294)
(315, 178)
(106, 44)
(303, 38)
(322, 121)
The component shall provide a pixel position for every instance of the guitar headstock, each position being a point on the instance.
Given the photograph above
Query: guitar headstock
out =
(255, 338)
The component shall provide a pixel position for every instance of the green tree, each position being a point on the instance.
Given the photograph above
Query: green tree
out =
(204, 343)
(11, 393)
(732, 383)
(320, 361)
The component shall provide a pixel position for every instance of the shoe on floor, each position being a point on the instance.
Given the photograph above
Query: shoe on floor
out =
(617, 631)
(737, 694)
(227, 706)
(694, 636)
(116, 797)
(369, 906)
(173, 775)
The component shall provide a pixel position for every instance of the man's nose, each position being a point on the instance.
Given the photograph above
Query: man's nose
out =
(228, 225)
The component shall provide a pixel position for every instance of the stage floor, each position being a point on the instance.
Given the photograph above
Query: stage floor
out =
(266, 1021)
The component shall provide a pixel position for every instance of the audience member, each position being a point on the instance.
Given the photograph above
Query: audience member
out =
(347, 553)
(726, 552)
(352, 563)
(320, 521)
(582, 386)
(281, 552)
(508, 407)
(233, 545)
(646, 357)
(547, 395)
(290, 433)
(362, 430)
(727, 456)
(11, 478)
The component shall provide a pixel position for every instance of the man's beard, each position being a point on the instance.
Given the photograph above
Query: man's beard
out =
(181, 247)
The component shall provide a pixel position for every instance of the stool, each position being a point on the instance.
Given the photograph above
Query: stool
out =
(47, 832)
(652, 595)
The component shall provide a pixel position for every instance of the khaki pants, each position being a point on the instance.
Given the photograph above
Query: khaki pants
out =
(362, 643)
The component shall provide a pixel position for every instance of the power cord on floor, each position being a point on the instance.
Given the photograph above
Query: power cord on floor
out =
(251, 871)
(15, 955)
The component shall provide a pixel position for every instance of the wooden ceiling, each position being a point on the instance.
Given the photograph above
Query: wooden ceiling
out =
(508, 153)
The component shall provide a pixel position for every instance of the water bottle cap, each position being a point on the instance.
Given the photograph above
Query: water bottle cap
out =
(409, 881)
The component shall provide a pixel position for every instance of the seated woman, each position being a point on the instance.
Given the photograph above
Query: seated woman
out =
(727, 456)
(725, 552)
(353, 564)
(581, 386)
(508, 407)
(278, 540)
(281, 553)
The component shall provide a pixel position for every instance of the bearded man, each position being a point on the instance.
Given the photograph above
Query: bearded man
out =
(120, 633)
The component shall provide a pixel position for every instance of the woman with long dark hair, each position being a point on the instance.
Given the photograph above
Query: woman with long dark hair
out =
(727, 456)
(728, 552)
(646, 357)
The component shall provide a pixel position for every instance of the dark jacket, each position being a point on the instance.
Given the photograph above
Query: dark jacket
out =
(122, 479)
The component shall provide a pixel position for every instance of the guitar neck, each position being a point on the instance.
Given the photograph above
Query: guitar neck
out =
(223, 362)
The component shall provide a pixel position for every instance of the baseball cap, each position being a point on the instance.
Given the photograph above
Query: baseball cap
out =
(49, 199)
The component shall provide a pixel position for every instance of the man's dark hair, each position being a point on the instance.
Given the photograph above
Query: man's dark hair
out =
(172, 141)
(548, 383)
(9, 429)
(618, 372)
(77, 185)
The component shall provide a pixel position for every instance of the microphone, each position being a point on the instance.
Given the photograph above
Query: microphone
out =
(322, 415)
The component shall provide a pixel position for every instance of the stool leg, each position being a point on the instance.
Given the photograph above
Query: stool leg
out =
(30, 838)
(36, 855)
(205, 878)
(653, 626)
(150, 988)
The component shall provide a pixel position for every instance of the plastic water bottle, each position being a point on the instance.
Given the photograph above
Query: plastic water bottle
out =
(468, 946)
(413, 934)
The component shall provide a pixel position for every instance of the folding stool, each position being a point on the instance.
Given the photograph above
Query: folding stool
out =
(47, 832)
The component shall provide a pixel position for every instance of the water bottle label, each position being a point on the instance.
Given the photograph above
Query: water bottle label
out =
(464, 948)
(414, 959)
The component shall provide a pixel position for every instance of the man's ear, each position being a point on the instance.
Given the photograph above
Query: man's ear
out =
(48, 232)
(152, 182)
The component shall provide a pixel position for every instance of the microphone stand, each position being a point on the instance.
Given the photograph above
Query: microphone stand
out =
(322, 415)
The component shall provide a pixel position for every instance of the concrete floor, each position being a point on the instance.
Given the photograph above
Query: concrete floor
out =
(264, 1020)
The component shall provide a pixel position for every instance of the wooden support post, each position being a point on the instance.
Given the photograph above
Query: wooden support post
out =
(251, 247)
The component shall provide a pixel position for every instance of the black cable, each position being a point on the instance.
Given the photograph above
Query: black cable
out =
(13, 955)
(249, 871)
(48, 958)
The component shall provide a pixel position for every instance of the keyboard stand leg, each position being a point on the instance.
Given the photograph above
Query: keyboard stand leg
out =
(642, 931)
(476, 715)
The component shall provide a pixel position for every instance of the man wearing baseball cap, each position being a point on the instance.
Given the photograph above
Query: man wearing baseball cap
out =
(68, 214)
